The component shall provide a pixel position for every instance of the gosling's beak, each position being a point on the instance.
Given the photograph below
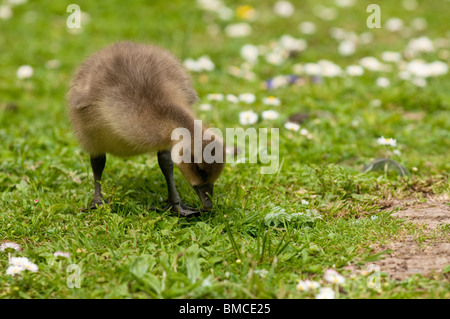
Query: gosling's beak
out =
(205, 193)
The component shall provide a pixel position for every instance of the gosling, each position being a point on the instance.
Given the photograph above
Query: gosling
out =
(126, 100)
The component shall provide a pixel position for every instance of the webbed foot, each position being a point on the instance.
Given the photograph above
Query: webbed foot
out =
(96, 203)
(179, 208)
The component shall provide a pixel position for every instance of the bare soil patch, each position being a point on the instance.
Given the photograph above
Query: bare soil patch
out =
(408, 256)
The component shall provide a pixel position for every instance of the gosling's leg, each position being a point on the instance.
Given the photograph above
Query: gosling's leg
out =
(174, 202)
(98, 164)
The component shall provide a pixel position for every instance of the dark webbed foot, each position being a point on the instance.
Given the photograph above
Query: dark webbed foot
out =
(95, 204)
(179, 208)
(182, 209)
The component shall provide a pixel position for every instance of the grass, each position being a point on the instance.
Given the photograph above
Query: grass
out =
(126, 250)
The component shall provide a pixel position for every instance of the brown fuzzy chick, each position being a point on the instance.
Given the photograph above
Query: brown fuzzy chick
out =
(126, 100)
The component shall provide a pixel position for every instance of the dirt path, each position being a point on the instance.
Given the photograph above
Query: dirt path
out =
(408, 257)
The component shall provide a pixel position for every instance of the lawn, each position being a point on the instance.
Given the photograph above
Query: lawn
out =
(267, 233)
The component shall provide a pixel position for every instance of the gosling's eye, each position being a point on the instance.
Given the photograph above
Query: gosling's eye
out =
(202, 173)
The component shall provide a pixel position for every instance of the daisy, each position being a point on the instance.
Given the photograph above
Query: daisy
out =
(271, 100)
(292, 44)
(387, 141)
(394, 24)
(274, 57)
(347, 47)
(422, 44)
(312, 69)
(14, 270)
(205, 107)
(248, 117)
(205, 63)
(333, 276)
(247, 98)
(30, 267)
(210, 5)
(292, 126)
(304, 132)
(232, 98)
(307, 27)
(270, 115)
(10, 247)
(345, 3)
(61, 254)
(307, 285)
(325, 293)
(215, 97)
(238, 30)
(19, 261)
(5, 12)
(283, 9)
(250, 53)
(371, 64)
(24, 72)
(354, 70)
(383, 82)
(391, 56)
(329, 69)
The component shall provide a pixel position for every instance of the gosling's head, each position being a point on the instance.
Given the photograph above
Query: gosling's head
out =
(201, 164)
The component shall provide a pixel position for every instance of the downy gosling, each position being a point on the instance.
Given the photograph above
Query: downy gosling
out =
(126, 100)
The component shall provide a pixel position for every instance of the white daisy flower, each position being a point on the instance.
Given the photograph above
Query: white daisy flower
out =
(312, 69)
(394, 24)
(248, 98)
(329, 69)
(232, 98)
(325, 293)
(383, 82)
(9, 246)
(345, 3)
(215, 97)
(271, 100)
(283, 9)
(307, 27)
(354, 70)
(270, 115)
(210, 5)
(5, 12)
(274, 57)
(19, 261)
(387, 141)
(391, 56)
(304, 132)
(205, 107)
(14, 270)
(422, 44)
(333, 276)
(292, 126)
(347, 47)
(30, 267)
(205, 63)
(250, 53)
(248, 117)
(24, 72)
(238, 30)
(292, 44)
(302, 286)
(372, 64)
(61, 254)
(420, 82)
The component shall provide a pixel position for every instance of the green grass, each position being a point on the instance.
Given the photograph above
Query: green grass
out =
(127, 250)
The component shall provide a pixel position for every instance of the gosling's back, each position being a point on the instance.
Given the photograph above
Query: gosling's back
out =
(127, 98)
